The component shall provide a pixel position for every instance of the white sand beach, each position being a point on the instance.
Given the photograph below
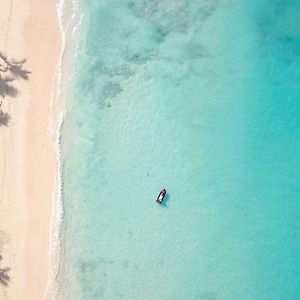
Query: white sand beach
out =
(28, 162)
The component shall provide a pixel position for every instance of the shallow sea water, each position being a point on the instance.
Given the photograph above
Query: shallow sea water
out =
(202, 98)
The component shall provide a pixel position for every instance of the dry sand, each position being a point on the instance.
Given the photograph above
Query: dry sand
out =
(28, 162)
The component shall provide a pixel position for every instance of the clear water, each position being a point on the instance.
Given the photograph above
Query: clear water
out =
(202, 98)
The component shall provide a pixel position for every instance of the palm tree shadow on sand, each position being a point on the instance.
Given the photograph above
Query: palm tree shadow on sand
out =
(4, 118)
(10, 71)
(4, 277)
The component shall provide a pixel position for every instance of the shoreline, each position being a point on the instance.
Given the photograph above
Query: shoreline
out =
(68, 23)
(56, 122)
(30, 159)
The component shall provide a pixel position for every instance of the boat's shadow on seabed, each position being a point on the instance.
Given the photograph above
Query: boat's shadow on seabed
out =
(166, 200)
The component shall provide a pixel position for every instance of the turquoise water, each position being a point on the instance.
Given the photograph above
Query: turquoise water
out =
(202, 98)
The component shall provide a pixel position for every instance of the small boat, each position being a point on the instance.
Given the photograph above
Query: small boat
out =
(161, 196)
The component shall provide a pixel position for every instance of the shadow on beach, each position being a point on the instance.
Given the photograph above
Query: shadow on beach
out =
(4, 118)
(4, 277)
(10, 71)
